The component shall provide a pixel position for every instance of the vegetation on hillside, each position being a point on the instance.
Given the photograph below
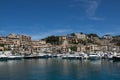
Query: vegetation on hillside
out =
(73, 48)
(92, 35)
(54, 40)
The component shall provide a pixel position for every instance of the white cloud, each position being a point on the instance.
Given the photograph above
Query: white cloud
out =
(46, 34)
(2, 32)
(96, 18)
(90, 7)
(61, 31)
(39, 36)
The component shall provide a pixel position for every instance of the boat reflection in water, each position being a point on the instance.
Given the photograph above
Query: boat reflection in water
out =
(59, 69)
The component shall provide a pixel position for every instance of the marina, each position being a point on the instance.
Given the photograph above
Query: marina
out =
(59, 40)
(71, 56)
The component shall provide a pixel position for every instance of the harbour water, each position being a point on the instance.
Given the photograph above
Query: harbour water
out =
(59, 69)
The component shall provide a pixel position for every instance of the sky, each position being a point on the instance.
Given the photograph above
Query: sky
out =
(42, 18)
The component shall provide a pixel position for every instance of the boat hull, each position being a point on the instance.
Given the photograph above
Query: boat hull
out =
(3, 59)
(15, 58)
(115, 58)
(94, 58)
(31, 57)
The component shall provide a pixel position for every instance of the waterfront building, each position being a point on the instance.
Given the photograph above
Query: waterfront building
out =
(35, 46)
(41, 46)
(42, 42)
(25, 40)
(25, 44)
(104, 48)
(62, 38)
(5, 43)
(65, 46)
(19, 39)
(1, 48)
(92, 48)
(80, 48)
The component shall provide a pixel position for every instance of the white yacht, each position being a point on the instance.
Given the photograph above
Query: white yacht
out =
(116, 57)
(30, 56)
(59, 55)
(94, 56)
(44, 55)
(3, 57)
(67, 56)
(110, 56)
(79, 55)
(14, 57)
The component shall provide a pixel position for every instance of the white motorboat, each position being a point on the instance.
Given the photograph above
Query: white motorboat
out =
(14, 57)
(94, 56)
(3, 57)
(68, 56)
(116, 57)
(44, 55)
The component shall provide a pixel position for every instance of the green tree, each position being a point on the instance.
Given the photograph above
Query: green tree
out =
(1, 45)
(72, 34)
(92, 35)
(82, 41)
(54, 40)
(90, 41)
(73, 48)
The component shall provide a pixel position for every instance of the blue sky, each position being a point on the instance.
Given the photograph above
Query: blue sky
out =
(42, 18)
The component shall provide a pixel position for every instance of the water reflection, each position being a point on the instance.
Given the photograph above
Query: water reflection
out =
(58, 69)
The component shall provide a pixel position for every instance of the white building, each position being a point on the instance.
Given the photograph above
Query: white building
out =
(13, 36)
(107, 36)
(42, 42)
(80, 36)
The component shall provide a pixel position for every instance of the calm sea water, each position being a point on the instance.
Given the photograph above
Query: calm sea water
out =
(58, 69)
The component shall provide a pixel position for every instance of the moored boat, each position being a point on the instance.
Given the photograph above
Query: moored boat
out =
(116, 57)
(44, 55)
(94, 56)
(68, 56)
(3, 57)
(14, 57)
(30, 56)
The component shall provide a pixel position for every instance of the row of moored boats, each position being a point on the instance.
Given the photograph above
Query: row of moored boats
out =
(7, 55)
